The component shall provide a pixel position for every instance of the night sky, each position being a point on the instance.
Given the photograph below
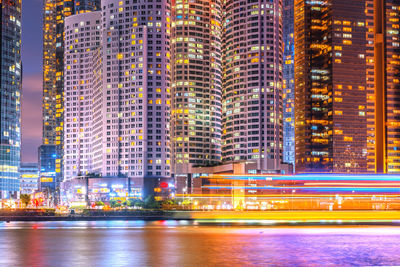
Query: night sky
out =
(32, 79)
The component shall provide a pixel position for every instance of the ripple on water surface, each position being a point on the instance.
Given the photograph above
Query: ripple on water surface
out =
(173, 243)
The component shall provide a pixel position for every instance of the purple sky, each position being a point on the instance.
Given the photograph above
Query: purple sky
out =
(32, 79)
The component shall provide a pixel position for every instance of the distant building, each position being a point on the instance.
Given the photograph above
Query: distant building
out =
(288, 82)
(10, 98)
(49, 169)
(83, 6)
(29, 178)
(383, 85)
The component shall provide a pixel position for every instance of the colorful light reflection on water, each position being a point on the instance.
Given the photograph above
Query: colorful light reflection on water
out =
(173, 243)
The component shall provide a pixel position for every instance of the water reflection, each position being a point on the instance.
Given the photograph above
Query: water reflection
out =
(173, 243)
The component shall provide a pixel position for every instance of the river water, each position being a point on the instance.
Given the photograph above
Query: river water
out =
(172, 243)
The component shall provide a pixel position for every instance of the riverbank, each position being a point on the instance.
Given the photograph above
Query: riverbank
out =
(81, 218)
(263, 217)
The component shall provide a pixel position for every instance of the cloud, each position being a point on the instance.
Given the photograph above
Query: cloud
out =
(31, 116)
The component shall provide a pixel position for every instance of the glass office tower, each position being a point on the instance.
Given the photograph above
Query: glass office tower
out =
(383, 85)
(10, 97)
(330, 86)
(288, 82)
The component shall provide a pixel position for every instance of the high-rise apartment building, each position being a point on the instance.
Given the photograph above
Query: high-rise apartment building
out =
(54, 14)
(288, 82)
(117, 91)
(82, 39)
(330, 86)
(10, 97)
(136, 88)
(253, 83)
(196, 84)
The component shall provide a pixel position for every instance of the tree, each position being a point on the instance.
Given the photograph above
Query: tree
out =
(186, 202)
(169, 204)
(114, 203)
(134, 202)
(99, 203)
(131, 202)
(137, 203)
(151, 203)
(25, 199)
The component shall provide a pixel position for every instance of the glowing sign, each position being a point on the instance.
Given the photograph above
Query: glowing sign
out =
(104, 190)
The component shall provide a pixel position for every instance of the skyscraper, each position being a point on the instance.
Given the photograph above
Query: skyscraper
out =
(54, 14)
(136, 84)
(383, 61)
(117, 91)
(82, 39)
(252, 83)
(288, 82)
(196, 84)
(10, 97)
(330, 86)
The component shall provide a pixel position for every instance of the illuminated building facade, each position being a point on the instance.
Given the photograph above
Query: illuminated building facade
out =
(391, 67)
(54, 14)
(117, 92)
(383, 61)
(253, 83)
(49, 161)
(196, 84)
(82, 39)
(29, 178)
(136, 90)
(330, 86)
(370, 86)
(83, 6)
(10, 97)
(288, 82)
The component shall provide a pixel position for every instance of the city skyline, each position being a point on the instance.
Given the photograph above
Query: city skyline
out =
(29, 135)
(199, 132)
